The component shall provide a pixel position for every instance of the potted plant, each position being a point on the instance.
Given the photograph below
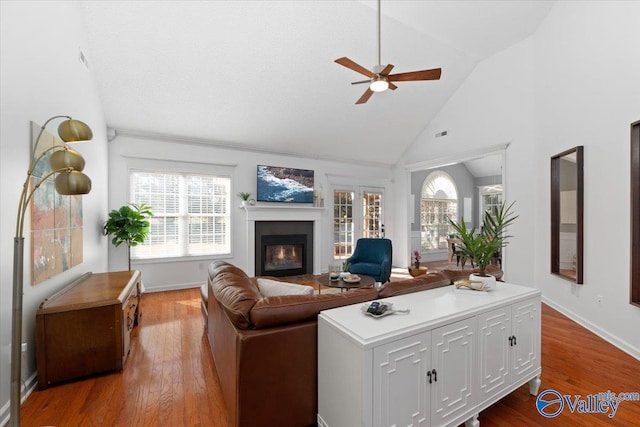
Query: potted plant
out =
(244, 197)
(417, 258)
(345, 269)
(481, 246)
(129, 224)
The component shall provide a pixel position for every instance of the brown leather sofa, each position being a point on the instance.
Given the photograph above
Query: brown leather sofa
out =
(265, 348)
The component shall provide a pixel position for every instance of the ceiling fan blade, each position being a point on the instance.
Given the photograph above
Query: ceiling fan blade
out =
(417, 75)
(392, 86)
(386, 70)
(346, 62)
(365, 97)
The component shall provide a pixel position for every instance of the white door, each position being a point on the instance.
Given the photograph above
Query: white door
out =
(525, 330)
(400, 382)
(357, 212)
(494, 331)
(453, 362)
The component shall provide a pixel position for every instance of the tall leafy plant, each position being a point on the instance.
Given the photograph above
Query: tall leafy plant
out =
(129, 224)
(481, 246)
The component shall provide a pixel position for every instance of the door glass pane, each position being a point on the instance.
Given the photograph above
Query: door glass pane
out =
(343, 238)
(372, 214)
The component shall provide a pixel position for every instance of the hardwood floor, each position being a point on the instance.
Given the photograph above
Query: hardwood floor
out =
(170, 380)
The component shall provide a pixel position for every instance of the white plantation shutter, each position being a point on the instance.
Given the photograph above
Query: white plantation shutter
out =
(191, 214)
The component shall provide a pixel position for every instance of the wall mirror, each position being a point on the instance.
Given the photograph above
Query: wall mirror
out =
(567, 195)
(635, 213)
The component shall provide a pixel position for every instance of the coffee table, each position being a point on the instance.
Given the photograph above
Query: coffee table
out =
(323, 280)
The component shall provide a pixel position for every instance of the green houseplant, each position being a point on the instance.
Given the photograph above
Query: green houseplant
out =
(129, 224)
(481, 246)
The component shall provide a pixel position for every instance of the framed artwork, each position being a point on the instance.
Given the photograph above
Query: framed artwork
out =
(56, 220)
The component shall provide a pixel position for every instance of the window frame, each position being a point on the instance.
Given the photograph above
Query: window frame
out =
(185, 167)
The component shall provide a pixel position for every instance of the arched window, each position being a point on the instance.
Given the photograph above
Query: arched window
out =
(439, 200)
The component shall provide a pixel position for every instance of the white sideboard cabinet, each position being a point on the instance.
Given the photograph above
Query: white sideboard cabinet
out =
(451, 357)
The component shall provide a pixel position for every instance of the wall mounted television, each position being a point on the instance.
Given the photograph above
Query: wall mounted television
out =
(289, 185)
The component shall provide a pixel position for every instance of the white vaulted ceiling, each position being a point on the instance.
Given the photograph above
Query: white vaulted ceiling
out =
(260, 74)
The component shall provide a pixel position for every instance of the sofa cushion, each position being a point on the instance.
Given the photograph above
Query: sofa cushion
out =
(274, 311)
(234, 291)
(275, 288)
(420, 283)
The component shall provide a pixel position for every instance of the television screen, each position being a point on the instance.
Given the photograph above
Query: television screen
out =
(276, 184)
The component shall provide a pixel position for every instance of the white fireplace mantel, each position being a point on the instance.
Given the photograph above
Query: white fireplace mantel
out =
(283, 213)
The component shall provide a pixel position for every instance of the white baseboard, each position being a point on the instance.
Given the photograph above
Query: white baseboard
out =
(172, 287)
(27, 388)
(611, 339)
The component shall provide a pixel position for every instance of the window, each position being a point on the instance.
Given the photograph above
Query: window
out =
(347, 228)
(372, 214)
(439, 201)
(490, 200)
(191, 214)
(343, 239)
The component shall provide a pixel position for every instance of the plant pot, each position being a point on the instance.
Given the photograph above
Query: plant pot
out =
(489, 281)
(344, 274)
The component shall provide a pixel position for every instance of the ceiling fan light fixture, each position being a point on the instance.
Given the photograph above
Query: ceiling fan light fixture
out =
(379, 84)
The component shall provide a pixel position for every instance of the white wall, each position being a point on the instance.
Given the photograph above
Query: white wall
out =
(166, 274)
(588, 93)
(41, 77)
(574, 82)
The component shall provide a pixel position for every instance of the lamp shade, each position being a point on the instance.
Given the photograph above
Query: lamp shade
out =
(66, 158)
(74, 130)
(72, 182)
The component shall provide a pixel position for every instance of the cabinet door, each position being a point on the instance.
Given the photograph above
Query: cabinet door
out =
(525, 328)
(453, 362)
(494, 330)
(400, 382)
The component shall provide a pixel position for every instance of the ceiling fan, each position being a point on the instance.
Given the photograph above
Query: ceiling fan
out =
(379, 78)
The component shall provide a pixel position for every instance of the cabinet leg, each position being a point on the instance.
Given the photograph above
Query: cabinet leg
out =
(534, 386)
(472, 422)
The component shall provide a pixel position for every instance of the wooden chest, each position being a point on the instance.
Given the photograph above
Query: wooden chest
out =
(85, 328)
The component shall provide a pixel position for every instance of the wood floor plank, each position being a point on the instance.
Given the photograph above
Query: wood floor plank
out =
(170, 377)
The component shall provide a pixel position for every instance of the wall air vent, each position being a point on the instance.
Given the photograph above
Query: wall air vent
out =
(83, 59)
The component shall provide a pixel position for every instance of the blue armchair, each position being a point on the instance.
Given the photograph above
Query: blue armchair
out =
(373, 258)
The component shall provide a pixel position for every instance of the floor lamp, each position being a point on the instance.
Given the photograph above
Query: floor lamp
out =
(68, 164)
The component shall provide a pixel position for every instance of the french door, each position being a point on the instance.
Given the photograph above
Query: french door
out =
(357, 212)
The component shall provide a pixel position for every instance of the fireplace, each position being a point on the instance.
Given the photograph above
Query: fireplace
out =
(283, 248)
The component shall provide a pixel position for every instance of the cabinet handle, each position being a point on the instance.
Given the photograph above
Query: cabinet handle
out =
(131, 305)
(514, 340)
(511, 341)
(429, 375)
(435, 375)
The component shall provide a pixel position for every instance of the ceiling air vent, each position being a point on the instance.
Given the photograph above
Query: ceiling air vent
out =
(443, 133)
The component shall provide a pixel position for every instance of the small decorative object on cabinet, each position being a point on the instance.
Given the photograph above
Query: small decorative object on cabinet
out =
(431, 367)
(85, 328)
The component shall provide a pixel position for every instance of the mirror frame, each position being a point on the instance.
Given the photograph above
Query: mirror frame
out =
(555, 213)
(635, 214)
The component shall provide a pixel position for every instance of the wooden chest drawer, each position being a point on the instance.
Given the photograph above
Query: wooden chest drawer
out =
(85, 328)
